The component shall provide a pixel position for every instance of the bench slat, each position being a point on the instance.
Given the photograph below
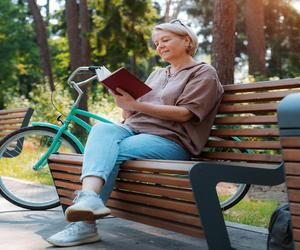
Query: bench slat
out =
(71, 186)
(244, 144)
(253, 97)
(292, 168)
(9, 111)
(249, 108)
(290, 142)
(293, 182)
(246, 132)
(296, 221)
(246, 120)
(263, 86)
(157, 179)
(13, 121)
(64, 176)
(75, 169)
(295, 208)
(296, 234)
(9, 128)
(171, 193)
(291, 155)
(242, 157)
(12, 116)
(294, 195)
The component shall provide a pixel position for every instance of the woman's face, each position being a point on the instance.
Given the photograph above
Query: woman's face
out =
(170, 46)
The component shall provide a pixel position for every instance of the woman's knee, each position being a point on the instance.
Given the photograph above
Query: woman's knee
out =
(104, 128)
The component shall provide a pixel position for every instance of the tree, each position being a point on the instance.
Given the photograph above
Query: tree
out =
(255, 36)
(19, 57)
(122, 33)
(42, 38)
(223, 46)
(85, 31)
(78, 44)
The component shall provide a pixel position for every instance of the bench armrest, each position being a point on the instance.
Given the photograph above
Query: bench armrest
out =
(205, 176)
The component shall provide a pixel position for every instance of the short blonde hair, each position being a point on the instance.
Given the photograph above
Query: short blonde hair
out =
(180, 29)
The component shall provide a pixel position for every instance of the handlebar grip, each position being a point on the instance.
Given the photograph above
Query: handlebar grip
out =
(93, 68)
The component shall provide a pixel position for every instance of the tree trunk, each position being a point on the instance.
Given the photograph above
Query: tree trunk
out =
(73, 33)
(256, 37)
(85, 30)
(223, 46)
(75, 45)
(42, 37)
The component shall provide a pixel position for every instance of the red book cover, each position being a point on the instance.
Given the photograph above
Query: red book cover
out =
(125, 80)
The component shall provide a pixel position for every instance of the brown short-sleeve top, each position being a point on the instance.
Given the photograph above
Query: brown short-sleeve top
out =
(196, 88)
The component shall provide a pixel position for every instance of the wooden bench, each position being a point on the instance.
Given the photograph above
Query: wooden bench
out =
(289, 122)
(159, 193)
(11, 120)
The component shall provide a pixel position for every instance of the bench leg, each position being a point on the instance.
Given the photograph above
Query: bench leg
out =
(204, 178)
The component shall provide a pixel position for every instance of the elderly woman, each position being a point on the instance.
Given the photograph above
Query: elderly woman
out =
(170, 122)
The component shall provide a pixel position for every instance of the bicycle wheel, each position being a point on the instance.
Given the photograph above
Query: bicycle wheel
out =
(231, 193)
(20, 183)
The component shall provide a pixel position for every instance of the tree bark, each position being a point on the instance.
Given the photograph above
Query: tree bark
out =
(42, 37)
(73, 33)
(256, 37)
(85, 30)
(223, 46)
(75, 46)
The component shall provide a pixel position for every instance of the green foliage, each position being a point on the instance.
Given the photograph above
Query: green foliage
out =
(121, 34)
(282, 33)
(19, 58)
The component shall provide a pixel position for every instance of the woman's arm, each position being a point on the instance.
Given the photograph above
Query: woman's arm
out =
(166, 112)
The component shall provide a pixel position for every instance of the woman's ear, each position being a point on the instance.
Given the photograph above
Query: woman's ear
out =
(187, 41)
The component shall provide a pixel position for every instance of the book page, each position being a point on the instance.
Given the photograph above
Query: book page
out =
(102, 73)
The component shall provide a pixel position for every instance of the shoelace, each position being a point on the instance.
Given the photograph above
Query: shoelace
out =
(73, 227)
(80, 194)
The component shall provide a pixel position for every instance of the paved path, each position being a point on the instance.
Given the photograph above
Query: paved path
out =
(27, 230)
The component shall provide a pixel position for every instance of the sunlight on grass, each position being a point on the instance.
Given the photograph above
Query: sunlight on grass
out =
(20, 167)
(252, 212)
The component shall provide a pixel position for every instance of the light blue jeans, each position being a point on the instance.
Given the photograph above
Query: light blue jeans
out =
(109, 145)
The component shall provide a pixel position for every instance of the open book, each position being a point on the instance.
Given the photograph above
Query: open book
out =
(122, 79)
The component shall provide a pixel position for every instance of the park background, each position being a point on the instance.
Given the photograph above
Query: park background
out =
(42, 42)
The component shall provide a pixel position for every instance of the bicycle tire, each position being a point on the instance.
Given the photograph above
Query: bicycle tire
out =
(236, 198)
(19, 183)
(240, 191)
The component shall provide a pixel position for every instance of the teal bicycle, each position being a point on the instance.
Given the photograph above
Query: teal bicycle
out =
(25, 177)
(26, 180)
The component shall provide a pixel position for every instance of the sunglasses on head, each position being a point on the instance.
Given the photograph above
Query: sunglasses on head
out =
(177, 21)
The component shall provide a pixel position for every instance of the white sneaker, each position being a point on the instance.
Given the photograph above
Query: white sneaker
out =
(88, 206)
(74, 234)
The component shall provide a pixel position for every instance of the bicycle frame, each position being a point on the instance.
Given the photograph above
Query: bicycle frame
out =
(70, 117)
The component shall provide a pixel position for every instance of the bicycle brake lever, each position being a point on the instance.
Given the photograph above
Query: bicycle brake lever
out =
(59, 119)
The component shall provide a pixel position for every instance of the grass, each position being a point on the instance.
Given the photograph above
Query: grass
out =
(20, 167)
(252, 212)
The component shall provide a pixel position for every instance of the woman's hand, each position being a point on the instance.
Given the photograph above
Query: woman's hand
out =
(126, 114)
(125, 101)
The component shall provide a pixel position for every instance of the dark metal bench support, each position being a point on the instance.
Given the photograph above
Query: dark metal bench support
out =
(204, 178)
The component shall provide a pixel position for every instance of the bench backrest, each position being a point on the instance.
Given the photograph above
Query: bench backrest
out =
(13, 119)
(246, 124)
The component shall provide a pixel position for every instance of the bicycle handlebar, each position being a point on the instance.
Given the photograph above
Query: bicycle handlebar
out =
(82, 69)
(77, 85)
